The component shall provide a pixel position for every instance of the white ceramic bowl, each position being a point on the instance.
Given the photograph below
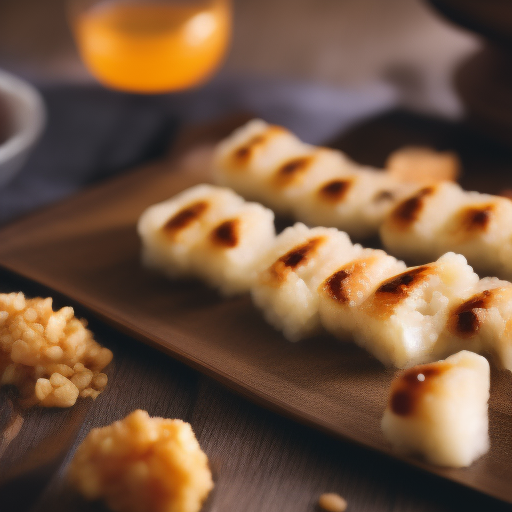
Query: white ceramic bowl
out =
(27, 116)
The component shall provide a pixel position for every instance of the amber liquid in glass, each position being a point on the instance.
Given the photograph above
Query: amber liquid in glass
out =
(153, 46)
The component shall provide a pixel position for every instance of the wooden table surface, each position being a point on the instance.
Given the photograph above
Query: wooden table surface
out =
(261, 461)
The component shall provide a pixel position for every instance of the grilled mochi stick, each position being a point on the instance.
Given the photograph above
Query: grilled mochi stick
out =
(227, 255)
(355, 202)
(245, 160)
(294, 177)
(283, 286)
(481, 323)
(411, 229)
(439, 410)
(400, 322)
(478, 228)
(171, 229)
(345, 285)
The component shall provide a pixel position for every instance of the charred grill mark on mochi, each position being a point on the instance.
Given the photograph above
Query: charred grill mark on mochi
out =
(383, 195)
(335, 191)
(409, 388)
(294, 259)
(396, 289)
(242, 155)
(334, 286)
(408, 211)
(291, 171)
(464, 320)
(226, 234)
(474, 219)
(343, 284)
(185, 217)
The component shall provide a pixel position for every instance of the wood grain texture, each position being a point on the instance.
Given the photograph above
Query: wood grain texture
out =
(261, 461)
(87, 249)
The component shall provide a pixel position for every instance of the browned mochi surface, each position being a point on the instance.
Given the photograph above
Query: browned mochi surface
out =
(473, 220)
(408, 211)
(292, 171)
(344, 284)
(242, 155)
(335, 191)
(226, 234)
(411, 386)
(184, 218)
(293, 259)
(465, 319)
(396, 289)
(383, 195)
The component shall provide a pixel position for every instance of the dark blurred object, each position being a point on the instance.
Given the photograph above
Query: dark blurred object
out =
(485, 163)
(490, 18)
(92, 134)
(484, 81)
(5, 122)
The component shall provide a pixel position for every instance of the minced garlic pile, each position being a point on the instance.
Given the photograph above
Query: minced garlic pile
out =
(49, 355)
(143, 464)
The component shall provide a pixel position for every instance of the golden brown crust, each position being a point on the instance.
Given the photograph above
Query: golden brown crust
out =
(292, 171)
(473, 220)
(345, 283)
(241, 156)
(408, 211)
(466, 319)
(408, 389)
(293, 259)
(396, 289)
(336, 190)
(184, 218)
(226, 234)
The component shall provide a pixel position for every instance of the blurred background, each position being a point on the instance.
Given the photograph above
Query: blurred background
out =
(367, 76)
(337, 43)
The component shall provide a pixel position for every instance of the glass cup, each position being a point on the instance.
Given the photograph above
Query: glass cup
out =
(151, 46)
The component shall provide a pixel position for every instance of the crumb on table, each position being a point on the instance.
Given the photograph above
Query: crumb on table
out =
(332, 502)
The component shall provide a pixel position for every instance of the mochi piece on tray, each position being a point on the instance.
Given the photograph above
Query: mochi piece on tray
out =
(171, 229)
(478, 228)
(250, 155)
(227, 256)
(481, 323)
(438, 411)
(283, 288)
(345, 286)
(356, 202)
(412, 228)
(400, 322)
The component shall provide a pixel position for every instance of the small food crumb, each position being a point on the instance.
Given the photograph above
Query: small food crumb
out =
(143, 464)
(423, 165)
(50, 356)
(332, 502)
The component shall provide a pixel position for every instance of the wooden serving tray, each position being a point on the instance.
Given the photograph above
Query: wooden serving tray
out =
(87, 248)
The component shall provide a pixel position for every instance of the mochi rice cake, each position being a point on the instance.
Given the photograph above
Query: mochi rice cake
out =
(356, 202)
(481, 323)
(412, 228)
(439, 410)
(344, 286)
(478, 228)
(399, 323)
(246, 159)
(291, 182)
(283, 287)
(207, 232)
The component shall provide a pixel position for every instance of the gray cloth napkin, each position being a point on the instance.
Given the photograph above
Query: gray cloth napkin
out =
(93, 133)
